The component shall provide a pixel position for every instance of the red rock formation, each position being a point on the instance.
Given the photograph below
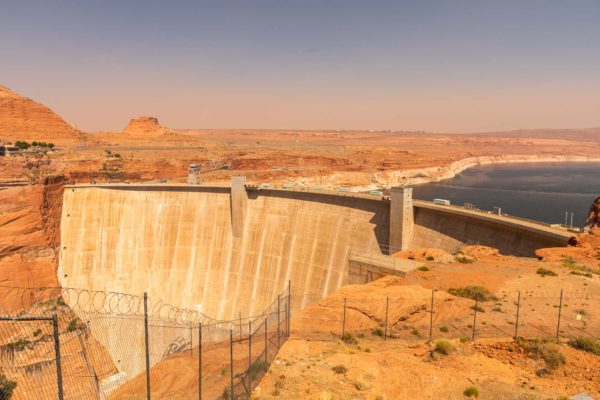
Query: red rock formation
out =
(30, 240)
(145, 126)
(593, 220)
(24, 119)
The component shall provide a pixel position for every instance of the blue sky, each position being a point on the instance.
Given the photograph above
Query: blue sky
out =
(443, 66)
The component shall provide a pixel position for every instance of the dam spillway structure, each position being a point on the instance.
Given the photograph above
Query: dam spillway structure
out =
(225, 250)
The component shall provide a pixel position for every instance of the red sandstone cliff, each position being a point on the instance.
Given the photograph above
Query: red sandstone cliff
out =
(24, 119)
(30, 235)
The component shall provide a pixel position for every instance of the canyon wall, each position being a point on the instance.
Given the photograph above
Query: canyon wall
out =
(30, 221)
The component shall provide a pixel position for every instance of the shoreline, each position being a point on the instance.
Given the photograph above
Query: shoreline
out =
(418, 176)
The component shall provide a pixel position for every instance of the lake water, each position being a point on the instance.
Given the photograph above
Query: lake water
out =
(538, 191)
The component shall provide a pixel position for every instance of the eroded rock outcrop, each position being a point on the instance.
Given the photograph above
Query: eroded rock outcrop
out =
(24, 119)
(593, 220)
(145, 126)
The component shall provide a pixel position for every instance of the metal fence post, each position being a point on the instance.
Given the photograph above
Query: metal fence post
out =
(559, 314)
(249, 357)
(431, 316)
(59, 380)
(475, 316)
(147, 348)
(191, 340)
(517, 321)
(344, 321)
(278, 321)
(289, 314)
(387, 301)
(200, 361)
(231, 364)
(266, 343)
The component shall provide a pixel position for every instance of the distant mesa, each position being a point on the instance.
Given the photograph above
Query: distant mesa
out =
(146, 126)
(23, 118)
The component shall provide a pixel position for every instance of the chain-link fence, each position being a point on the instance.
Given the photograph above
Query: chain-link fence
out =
(465, 314)
(59, 343)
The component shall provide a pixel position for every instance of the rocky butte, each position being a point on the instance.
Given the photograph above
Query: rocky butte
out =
(145, 126)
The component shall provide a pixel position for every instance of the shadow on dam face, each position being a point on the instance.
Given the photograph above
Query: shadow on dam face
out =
(177, 242)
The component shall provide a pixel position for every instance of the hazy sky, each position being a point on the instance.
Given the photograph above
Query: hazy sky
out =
(416, 65)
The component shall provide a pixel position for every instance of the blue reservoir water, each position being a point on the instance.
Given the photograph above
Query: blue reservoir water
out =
(538, 191)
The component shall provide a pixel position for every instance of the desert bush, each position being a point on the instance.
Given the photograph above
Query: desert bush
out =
(339, 369)
(444, 347)
(547, 349)
(348, 338)
(479, 293)
(423, 268)
(257, 368)
(377, 331)
(477, 308)
(471, 391)
(429, 258)
(464, 260)
(545, 272)
(6, 387)
(75, 325)
(589, 344)
(443, 329)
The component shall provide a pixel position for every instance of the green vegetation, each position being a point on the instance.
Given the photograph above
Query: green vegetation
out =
(477, 308)
(471, 391)
(586, 274)
(545, 272)
(18, 345)
(339, 369)
(429, 258)
(580, 269)
(464, 260)
(6, 387)
(444, 329)
(377, 331)
(257, 368)
(42, 144)
(37, 332)
(478, 293)
(75, 325)
(444, 347)
(22, 145)
(349, 339)
(589, 344)
(547, 349)
(423, 268)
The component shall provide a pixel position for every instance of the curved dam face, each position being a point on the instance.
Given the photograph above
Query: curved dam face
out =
(225, 251)
(182, 245)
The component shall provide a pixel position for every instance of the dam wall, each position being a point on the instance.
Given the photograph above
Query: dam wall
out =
(177, 244)
(449, 228)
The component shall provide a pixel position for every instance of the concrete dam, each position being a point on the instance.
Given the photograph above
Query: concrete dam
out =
(229, 250)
